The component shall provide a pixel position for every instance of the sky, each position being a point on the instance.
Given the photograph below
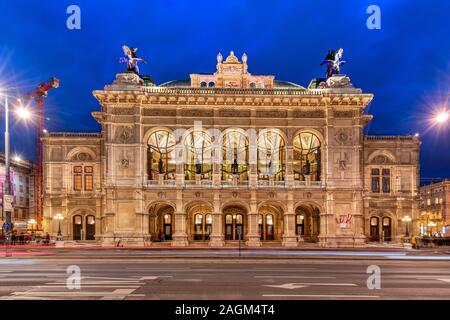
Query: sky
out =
(405, 64)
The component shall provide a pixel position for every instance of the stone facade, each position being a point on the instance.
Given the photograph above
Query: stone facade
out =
(226, 157)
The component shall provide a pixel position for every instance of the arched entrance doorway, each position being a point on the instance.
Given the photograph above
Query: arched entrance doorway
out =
(234, 223)
(307, 222)
(161, 222)
(270, 222)
(83, 226)
(374, 234)
(200, 222)
(387, 229)
(380, 228)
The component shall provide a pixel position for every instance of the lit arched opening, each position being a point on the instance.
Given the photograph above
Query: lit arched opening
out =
(307, 156)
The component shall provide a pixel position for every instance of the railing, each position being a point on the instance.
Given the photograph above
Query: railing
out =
(390, 138)
(73, 134)
(230, 184)
(230, 91)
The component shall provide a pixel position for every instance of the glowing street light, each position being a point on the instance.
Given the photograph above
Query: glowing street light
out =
(23, 113)
(442, 117)
(17, 158)
(59, 217)
(407, 220)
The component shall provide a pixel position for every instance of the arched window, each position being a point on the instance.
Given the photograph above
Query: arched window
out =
(211, 84)
(160, 155)
(198, 152)
(252, 85)
(235, 155)
(306, 156)
(203, 84)
(271, 155)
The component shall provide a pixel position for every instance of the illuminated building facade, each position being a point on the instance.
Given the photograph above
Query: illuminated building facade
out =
(230, 156)
(435, 209)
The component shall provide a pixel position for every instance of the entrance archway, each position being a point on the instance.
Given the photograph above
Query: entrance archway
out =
(161, 222)
(270, 224)
(83, 225)
(308, 222)
(200, 222)
(234, 223)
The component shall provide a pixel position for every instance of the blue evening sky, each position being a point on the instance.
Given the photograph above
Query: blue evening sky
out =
(406, 64)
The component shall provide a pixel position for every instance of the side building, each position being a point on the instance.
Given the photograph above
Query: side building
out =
(435, 209)
(22, 187)
(231, 156)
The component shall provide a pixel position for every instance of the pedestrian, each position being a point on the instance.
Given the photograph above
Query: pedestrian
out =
(160, 236)
(47, 238)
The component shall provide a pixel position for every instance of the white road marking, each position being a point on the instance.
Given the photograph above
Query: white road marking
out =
(318, 296)
(300, 277)
(115, 293)
(308, 284)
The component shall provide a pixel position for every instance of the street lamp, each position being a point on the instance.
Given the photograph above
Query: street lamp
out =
(442, 117)
(407, 220)
(59, 217)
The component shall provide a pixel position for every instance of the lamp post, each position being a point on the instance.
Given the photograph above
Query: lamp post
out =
(22, 113)
(59, 217)
(407, 220)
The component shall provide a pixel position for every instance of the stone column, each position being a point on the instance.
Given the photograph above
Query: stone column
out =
(289, 236)
(253, 167)
(179, 237)
(252, 236)
(289, 168)
(216, 238)
(108, 234)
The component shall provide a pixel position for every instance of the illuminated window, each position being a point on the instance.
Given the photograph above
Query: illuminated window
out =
(306, 156)
(77, 178)
(80, 175)
(235, 155)
(198, 152)
(271, 155)
(160, 155)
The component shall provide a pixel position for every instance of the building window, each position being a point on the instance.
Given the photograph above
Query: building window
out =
(386, 180)
(203, 84)
(88, 178)
(80, 174)
(211, 84)
(198, 152)
(306, 157)
(235, 155)
(271, 155)
(428, 202)
(375, 180)
(383, 180)
(77, 178)
(160, 155)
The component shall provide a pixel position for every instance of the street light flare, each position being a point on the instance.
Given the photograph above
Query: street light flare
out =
(442, 117)
(23, 113)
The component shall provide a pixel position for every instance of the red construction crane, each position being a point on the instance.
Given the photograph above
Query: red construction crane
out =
(39, 95)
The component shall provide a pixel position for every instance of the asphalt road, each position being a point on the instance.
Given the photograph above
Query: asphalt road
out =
(116, 274)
